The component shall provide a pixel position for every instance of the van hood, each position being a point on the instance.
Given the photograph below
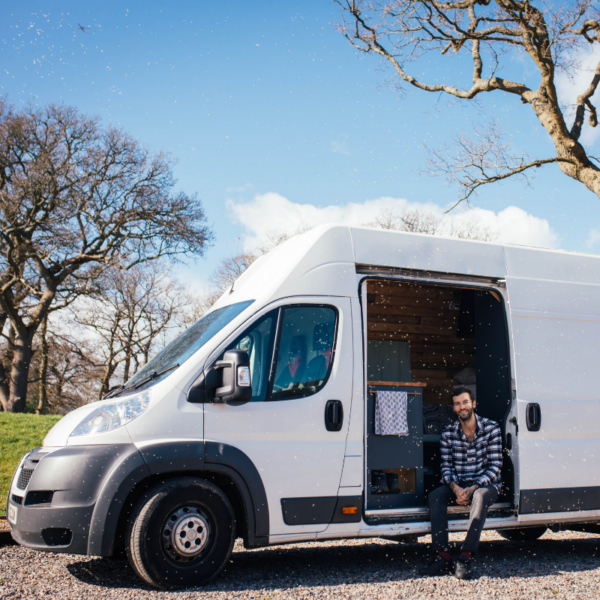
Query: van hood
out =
(60, 433)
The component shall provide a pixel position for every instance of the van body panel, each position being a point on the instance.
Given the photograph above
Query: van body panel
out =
(552, 265)
(170, 418)
(427, 253)
(355, 438)
(318, 262)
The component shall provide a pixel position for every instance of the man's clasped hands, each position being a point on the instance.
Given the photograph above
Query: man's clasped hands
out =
(463, 495)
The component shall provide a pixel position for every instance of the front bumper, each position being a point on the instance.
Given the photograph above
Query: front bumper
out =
(54, 492)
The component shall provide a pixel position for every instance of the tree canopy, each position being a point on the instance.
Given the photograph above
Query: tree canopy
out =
(76, 199)
(403, 33)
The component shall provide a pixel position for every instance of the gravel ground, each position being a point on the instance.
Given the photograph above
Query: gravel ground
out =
(559, 565)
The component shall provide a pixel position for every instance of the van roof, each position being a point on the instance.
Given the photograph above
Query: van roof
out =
(324, 261)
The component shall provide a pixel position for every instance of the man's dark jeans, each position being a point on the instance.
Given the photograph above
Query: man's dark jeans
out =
(439, 500)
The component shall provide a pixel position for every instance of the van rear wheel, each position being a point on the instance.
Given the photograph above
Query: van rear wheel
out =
(527, 534)
(181, 533)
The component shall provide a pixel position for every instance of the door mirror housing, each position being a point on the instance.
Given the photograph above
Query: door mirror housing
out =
(236, 387)
(226, 381)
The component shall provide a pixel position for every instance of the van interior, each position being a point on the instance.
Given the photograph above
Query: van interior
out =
(426, 339)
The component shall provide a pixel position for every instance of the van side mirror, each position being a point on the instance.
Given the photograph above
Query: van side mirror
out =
(236, 388)
(227, 380)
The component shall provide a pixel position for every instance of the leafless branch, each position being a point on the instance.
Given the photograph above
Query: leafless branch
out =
(478, 160)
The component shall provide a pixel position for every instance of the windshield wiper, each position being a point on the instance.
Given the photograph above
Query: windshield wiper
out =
(150, 377)
(113, 392)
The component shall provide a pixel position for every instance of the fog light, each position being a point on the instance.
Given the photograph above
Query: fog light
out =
(57, 536)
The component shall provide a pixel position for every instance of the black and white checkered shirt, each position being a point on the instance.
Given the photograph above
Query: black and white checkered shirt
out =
(477, 462)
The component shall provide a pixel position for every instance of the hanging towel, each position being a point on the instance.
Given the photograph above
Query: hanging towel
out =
(391, 413)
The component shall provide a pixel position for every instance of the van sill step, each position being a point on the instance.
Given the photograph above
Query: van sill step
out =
(424, 512)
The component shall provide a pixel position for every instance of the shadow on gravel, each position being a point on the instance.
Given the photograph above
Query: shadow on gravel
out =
(107, 573)
(289, 567)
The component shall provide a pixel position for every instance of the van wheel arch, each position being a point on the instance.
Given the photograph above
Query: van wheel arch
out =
(226, 483)
(225, 465)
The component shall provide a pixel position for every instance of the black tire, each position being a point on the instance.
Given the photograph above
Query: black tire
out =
(180, 533)
(527, 534)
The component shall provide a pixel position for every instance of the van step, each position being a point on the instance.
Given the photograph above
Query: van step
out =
(388, 513)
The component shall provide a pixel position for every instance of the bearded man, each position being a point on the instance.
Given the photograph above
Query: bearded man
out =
(471, 452)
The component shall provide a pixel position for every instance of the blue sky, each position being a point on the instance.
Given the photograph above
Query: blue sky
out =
(266, 98)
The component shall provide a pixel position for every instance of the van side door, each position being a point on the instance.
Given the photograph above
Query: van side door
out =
(555, 323)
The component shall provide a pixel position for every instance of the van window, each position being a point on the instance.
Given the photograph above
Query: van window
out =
(258, 341)
(305, 351)
(190, 341)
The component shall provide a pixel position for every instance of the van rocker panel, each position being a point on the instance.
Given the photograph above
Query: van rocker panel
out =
(321, 510)
(554, 500)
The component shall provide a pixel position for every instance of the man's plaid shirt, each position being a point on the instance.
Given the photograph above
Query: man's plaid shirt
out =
(477, 462)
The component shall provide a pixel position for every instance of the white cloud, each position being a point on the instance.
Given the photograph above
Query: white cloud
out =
(271, 212)
(593, 238)
(570, 86)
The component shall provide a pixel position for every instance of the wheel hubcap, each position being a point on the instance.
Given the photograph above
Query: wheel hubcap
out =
(185, 533)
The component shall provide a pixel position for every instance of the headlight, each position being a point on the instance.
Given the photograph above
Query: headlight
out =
(109, 416)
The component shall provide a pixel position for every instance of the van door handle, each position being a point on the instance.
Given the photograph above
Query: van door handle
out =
(533, 416)
(334, 415)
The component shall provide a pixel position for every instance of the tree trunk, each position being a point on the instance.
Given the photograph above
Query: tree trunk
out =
(105, 384)
(19, 374)
(127, 367)
(3, 380)
(574, 160)
(42, 406)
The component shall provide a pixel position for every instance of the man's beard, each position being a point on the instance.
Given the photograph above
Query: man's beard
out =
(465, 419)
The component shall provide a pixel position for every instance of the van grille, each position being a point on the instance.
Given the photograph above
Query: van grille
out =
(24, 478)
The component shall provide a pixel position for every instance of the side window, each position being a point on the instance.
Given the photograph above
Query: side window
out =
(257, 341)
(305, 351)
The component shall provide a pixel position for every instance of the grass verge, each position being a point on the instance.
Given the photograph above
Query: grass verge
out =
(19, 433)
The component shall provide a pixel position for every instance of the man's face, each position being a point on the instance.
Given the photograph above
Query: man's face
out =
(463, 406)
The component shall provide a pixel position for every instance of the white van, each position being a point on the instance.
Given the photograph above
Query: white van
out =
(258, 421)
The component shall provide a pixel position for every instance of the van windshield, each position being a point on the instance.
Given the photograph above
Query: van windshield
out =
(191, 340)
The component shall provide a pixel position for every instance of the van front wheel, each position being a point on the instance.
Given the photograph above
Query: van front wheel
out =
(181, 533)
(527, 534)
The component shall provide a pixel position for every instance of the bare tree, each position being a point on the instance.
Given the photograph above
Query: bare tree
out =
(71, 375)
(231, 268)
(411, 220)
(404, 32)
(134, 313)
(76, 199)
(421, 220)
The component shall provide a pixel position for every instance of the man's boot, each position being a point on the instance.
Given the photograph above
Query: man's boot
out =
(463, 568)
(437, 566)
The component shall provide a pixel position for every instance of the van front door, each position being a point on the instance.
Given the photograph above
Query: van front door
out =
(294, 429)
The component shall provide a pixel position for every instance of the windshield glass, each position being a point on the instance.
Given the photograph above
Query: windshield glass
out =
(193, 338)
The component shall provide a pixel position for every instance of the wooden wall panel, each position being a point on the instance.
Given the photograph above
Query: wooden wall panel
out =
(426, 316)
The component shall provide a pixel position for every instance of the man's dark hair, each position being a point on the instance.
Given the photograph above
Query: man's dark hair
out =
(463, 390)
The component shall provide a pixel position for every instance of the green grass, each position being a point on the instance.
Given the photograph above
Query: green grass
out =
(19, 433)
